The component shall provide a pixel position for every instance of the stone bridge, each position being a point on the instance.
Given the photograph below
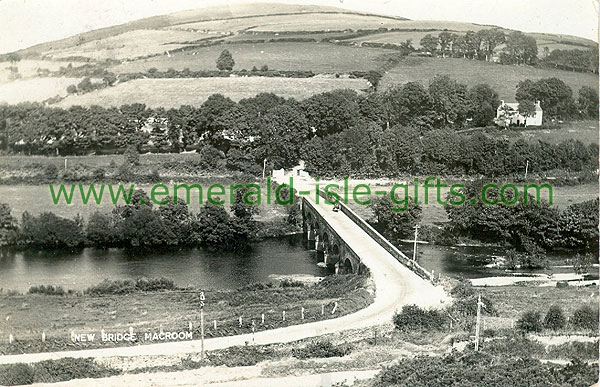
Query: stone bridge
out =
(330, 247)
(338, 252)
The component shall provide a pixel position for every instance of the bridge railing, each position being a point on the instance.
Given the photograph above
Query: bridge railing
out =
(387, 245)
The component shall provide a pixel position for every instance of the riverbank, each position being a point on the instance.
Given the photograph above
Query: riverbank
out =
(151, 315)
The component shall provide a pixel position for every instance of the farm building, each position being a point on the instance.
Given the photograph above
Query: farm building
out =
(508, 114)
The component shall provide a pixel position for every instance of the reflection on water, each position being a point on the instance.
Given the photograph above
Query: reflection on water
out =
(189, 267)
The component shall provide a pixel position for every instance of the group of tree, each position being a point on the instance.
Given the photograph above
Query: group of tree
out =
(406, 128)
(531, 226)
(138, 224)
(519, 47)
(583, 59)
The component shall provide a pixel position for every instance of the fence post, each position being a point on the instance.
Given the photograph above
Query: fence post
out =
(262, 318)
(11, 338)
(240, 321)
(215, 324)
(43, 336)
(302, 313)
(283, 315)
(322, 309)
(190, 326)
(334, 308)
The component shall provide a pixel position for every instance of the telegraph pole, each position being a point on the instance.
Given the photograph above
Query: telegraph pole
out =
(202, 298)
(415, 244)
(479, 304)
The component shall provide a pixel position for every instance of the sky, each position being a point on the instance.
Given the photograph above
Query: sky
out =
(24, 23)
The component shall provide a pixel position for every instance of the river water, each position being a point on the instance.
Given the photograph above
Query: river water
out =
(190, 267)
(268, 259)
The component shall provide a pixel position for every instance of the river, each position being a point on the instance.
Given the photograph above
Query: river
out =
(200, 268)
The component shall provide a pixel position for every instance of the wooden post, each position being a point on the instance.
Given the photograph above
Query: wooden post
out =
(415, 244)
(302, 313)
(283, 315)
(240, 321)
(43, 336)
(478, 323)
(334, 308)
(322, 309)
(262, 318)
(201, 333)
(190, 326)
(215, 325)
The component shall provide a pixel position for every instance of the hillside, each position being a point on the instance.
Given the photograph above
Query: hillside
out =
(327, 41)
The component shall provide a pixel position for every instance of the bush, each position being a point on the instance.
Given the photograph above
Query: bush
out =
(321, 349)
(462, 290)
(51, 371)
(16, 374)
(129, 286)
(132, 156)
(555, 319)
(51, 172)
(49, 290)
(530, 322)
(585, 317)
(290, 283)
(414, 318)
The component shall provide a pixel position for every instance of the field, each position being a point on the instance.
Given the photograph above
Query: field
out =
(297, 22)
(170, 93)
(584, 131)
(318, 57)
(171, 311)
(502, 78)
(29, 68)
(129, 45)
(34, 90)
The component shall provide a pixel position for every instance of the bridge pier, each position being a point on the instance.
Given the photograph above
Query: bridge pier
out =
(310, 239)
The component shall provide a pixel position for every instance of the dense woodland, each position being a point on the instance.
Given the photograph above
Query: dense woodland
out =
(408, 128)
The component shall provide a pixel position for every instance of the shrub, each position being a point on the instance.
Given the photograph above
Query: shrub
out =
(555, 319)
(585, 317)
(462, 290)
(290, 283)
(132, 156)
(49, 290)
(129, 286)
(240, 356)
(531, 321)
(321, 349)
(16, 374)
(414, 318)
(51, 172)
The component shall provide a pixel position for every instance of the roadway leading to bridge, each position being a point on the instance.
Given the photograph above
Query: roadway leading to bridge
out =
(396, 285)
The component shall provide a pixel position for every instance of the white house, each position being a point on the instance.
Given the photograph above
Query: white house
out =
(508, 114)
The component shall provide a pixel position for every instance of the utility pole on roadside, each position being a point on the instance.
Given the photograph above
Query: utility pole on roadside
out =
(478, 324)
(415, 244)
(202, 298)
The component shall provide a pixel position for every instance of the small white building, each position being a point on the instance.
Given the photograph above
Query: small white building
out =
(508, 114)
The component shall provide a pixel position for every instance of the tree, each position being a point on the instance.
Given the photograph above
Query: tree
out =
(555, 319)
(489, 40)
(408, 105)
(556, 97)
(429, 43)
(588, 102)
(71, 89)
(446, 40)
(521, 48)
(131, 156)
(449, 100)
(8, 226)
(483, 102)
(396, 219)
(225, 61)
(332, 111)
(100, 230)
